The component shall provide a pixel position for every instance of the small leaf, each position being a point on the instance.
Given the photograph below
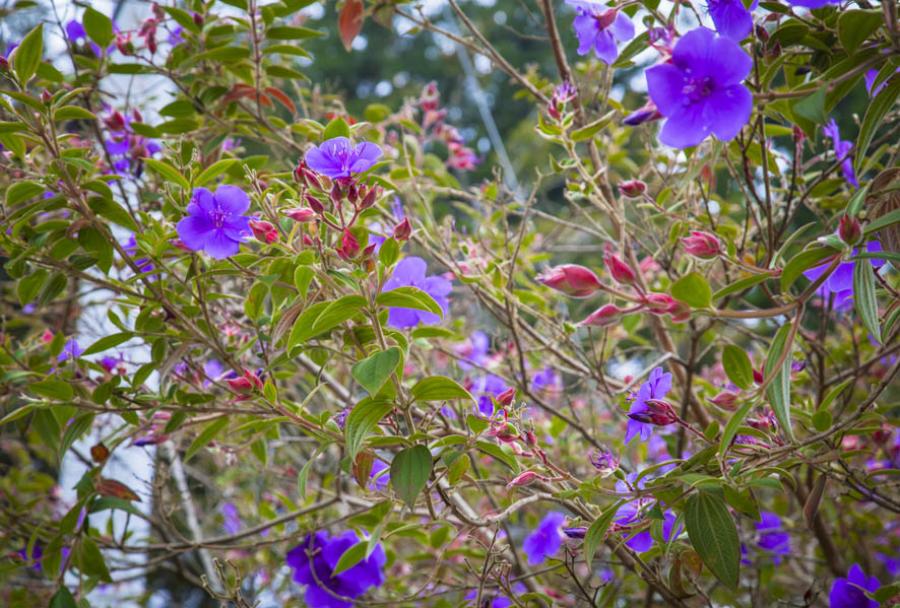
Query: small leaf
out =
(410, 470)
(693, 289)
(803, 261)
(99, 27)
(54, 389)
(336, 128)
(779, 390)
(864, 297)
(63, 598)
(22, 191)
(107, 342)
(741, 285)
(734, 423)
(409, 297)
(373, 371)
(737, 366)
(214, 170)
(439, 388)
(875, 113)
(350, 21)
(167, 171)
(350, 557)
(27, 56)
(208, 433)
(714, 536)
(597, 532)
(812, 108)
(361, 421)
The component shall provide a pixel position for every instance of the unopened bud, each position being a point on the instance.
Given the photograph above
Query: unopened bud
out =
(198, 19)
(264, 231)
(403, 230)
(618, 269)
(506, 397)
(370, 197)
(314, 203)
(46, 97)
(632, 188)
(575, 533)
(849, 230)
(703, 245)
(659, 303)
(571, 279)
(523, 479)
(726, 400)
(301, 214)
(603, 316)
(656, 412)
(349, 247)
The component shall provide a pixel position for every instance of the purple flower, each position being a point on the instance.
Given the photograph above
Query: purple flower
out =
(474, 351)
(732, 18)
(75, 33)
(604, 461)
(813, 3)
(546, 380)
(850, 592)
(131, 248)
(484, 388)
(176, 37)
(657, 385)
(411, 272)
(380, 475)
(841, 151)
(700, 91)
(314, 560)
(600, 28)
(215, 222)
(870, 77)
(840, 283)
(545, 540)
(37, 554)
(231, 518)
(339, 159)
(772, 538)
(70, 351)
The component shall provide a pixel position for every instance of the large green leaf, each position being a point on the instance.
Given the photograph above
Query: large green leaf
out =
(779, 390)
(409, 297)
(373, 371)
(693, 289)
(596, 532)
(714, 536)
(875, 113)
(27, 56)
(864, 297)
(410, 470)
(98, 26)
(737, 366)
(439, 388)
(361, 421)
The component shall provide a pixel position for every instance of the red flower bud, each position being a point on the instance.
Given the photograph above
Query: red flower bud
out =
(603, 316)
(523, 479)
(369, 198)
(264, 231)
(703, 245)
(758, 376)
(632, 188)
(245, 384)
(314, 203)
(403, 230)
(301, 214)
(656, 412)
(849, 230)
(618, 269)
(726, 400)
(46, 97)
(659, 303)
(306, 176)
(571, 279)
(198, 19)
(506, 397)
(349, 247)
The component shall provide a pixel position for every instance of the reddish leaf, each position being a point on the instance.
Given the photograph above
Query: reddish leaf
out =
(116, 489)
(99, 453)
(350, 21)
(362, 468)
(282, 98)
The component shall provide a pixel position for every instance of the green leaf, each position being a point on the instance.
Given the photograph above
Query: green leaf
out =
(107, 342)
(114, 212)
(812, 108)
(73, 113)
(63, 598)
(389, 252)
(741, 285)
(410, 470)
(714, 536)
(737, 366)
(779, 390)
(285, 32)
(734, 423)
(361, 421)
(90, 560)
(884, 221)
(29, 287)
(27, 56)
(800, 262)
(373, 371)
(693, 289)
(589, 130)
(322, 317)
(167, 171)
(22, 191)
(875, 114)
(208, 433)
(855, 26)
(350, 557)
(53, 388)
(596, 532)
(409, 297)
(214, 170)
(336, 128)
(439, 388)
(864, 297)
(99, 27)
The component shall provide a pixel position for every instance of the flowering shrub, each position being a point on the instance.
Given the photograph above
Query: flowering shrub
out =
(659, 371)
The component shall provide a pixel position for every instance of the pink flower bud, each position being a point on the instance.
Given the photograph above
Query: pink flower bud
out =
(349, 247)
(264, 231)
(403, 230)
(632, 188)
(703, 245)
(659, 303)
(758, 376)
(680, 312)
(301, 214)
(370, 197)
(618, 269)
(849, 230)
(245, 384)
(314, 203)
(523, 479)
(656, 412)
(571, 279)
(46, 97)
(726, 400)
(506, 397)
(306, 176)
(603, 316)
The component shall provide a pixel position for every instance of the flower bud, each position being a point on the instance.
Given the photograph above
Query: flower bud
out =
(245, 384)
(618, 269)
(656, 412)
(680, 312)
(576, 533)
(659, 303)
(370, 197)
(314, 203)
(703, 245)
(264, 231)
(648, 113)
(124, 45)
(726, 400)
(349, 247)
(604, 461)
(306, 176)
(336, 194)
(198, 19)
(632, 188)
(46, 97)
(301, 214)
(523, 479)
(603, 316)
(403, 230)
(506, 397)
(849, 230)
(758, 376)
(571, 279)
